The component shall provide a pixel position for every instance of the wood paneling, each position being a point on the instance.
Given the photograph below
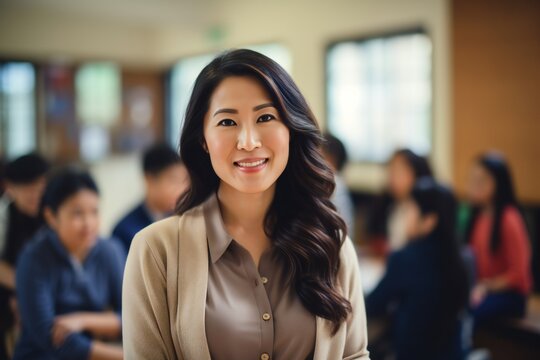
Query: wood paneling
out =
(496, 87)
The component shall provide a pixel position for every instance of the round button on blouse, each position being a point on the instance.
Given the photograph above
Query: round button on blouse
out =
(264, 279)
(266, 316)
(265, 356)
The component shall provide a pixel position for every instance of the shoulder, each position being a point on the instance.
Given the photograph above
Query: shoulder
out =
(511, 214)
(348, 267)
(111, 247)
(161, 239)
(134, 215)
(39, 253)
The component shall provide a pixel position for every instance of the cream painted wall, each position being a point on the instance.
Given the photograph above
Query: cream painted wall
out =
(305, 27)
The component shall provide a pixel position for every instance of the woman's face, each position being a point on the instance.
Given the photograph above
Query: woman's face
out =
(246, 139)
(481, 186)
(401, 178)
(76, 221)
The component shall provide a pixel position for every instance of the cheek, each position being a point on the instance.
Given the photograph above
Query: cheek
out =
(277, 140)
(219, 146)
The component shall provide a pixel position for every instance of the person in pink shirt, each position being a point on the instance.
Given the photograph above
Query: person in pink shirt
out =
(498, 237)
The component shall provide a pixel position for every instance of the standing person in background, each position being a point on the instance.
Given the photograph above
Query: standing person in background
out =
(25, 179)
(336, 155)
(387, 220)
(499, 241)
(69, 281)
(424, 290)
(165, 179)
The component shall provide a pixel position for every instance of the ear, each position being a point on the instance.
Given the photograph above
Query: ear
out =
(429, 223)
(50, 218)
(204, 146)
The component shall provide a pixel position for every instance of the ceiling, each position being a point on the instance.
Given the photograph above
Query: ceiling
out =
(138, 12)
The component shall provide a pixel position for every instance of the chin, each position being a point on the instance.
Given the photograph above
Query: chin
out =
(252, 188)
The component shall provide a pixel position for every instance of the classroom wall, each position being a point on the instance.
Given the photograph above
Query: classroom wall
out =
(496, 91)
(305, 27)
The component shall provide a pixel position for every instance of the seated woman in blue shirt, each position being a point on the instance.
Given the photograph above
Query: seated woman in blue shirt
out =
(68, 280)
(425, 290)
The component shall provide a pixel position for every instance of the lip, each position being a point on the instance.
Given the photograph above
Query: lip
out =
(252, 168)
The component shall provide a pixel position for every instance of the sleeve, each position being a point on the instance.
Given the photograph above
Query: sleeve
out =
(356, 339)
(388, 289)
(117, 274)
(36, 308)
(515, 243)
(145, 318)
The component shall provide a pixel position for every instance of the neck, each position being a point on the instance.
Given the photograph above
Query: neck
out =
(242, 209)
(153, 208)
(488, 209)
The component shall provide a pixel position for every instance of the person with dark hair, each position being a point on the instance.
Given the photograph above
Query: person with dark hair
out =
(425, 287)
(69, 281)
(165, 179)
(387, 220)
(19, 220)
(499, 241)
(336, 155)
(257, 263)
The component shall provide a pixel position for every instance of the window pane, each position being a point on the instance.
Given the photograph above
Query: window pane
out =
(17, 105)
(98, 90)
(98, 103)
(379, 95)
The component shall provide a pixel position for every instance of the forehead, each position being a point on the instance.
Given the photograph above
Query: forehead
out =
(237, 91)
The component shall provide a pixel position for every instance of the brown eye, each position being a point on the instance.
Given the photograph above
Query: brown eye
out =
(226, 122)
(266, 118)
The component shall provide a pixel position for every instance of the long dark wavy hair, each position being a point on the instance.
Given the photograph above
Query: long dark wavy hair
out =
(302, 223)
(503, 197)
(433, 198)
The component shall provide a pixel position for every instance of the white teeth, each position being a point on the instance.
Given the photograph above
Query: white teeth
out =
(251, 164)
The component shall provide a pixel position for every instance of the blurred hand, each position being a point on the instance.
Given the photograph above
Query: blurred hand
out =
(64, 325)
(478, 294)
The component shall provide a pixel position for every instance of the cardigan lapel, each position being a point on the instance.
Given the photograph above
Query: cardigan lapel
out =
(192, 288)
(192, 285)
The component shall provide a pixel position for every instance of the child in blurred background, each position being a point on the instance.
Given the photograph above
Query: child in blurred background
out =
(69, 281)
(165, 178)
(499, 241)
(424, 290)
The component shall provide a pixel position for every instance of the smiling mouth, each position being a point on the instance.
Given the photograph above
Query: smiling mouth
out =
(250, 164)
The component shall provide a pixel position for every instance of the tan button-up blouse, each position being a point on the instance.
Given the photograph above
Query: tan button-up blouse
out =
(165, 291)
(251, 313)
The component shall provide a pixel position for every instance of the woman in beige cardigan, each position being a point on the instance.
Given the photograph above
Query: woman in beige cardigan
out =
(257, 264)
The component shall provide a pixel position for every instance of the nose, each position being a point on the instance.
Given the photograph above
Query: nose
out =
(248, 139)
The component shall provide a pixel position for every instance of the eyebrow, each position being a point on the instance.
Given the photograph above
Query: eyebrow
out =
(234, 111)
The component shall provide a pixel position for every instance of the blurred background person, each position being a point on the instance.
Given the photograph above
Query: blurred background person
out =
(424, 291)
(165, 179)
(2, 183)
(499, 240)
(388, 218)
(69, 281)
(25, 179)
(336, 155)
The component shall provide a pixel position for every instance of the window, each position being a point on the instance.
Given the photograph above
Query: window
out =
(98, 91)
(17, 109)
(379, 95)
(183, 75)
